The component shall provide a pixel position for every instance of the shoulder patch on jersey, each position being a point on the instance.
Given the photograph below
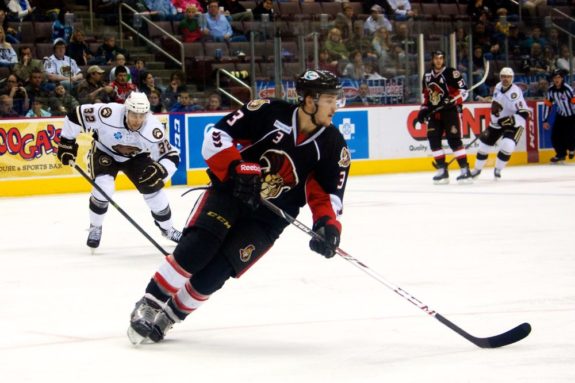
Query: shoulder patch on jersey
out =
(105, 160)
(106, 112)
(256, 104)
(456, 74)
(514, 95)
(157, 133)
(246, 253)
(344, 158)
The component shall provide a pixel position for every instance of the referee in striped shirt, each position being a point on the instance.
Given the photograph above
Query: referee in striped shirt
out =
(559, 112)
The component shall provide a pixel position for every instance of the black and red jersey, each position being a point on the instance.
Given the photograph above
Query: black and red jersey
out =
(439, 87)
(296, 168)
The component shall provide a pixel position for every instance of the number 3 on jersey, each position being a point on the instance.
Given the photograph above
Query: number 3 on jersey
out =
(236, 116)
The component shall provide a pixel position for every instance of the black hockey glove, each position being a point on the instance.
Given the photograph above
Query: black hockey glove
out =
(247, 178)
(326, 228)
(67, 150)
(152, 177)
(506, 122)
(423, 115)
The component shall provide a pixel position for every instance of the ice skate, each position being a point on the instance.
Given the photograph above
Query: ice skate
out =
(557, 160)
(571, 154)
(475, 173)
(94, 236)
(497, 174)
(172, 234)
(441, 177)
(142, 320)
(164, 321)
(465, 176)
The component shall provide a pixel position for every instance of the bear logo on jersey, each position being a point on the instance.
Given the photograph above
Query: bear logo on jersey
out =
(246, 253)
(279, 173)
(157, 133)
(106, 112)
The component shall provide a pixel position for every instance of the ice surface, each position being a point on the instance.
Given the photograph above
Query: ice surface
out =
(488, 256)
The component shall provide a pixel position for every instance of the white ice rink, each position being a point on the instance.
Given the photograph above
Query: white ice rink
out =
(487, 256)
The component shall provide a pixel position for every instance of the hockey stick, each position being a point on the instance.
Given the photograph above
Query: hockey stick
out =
(503, 339)
(435, 165)
(83, 173)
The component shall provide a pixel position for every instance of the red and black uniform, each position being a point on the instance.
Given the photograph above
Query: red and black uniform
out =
(224, 237)
(439, 88)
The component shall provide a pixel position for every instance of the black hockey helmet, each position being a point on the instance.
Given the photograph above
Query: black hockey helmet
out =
(314, 82)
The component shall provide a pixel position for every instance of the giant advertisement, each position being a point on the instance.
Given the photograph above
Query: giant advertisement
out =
(28, 148)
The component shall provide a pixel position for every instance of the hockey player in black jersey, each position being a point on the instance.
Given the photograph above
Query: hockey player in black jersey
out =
(444, 90)
(291, 155)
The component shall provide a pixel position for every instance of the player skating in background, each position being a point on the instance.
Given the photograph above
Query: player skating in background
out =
(441, 86)
(509, 115)
(291, 155)
(127, 138)
(561, 99)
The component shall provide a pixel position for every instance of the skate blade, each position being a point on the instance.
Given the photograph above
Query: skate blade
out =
(466, 181)
(135, 338)
(444, 181)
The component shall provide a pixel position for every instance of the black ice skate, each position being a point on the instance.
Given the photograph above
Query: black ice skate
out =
(441, 176)
(475, 173)
(465, 176)
(571, 154)
(497, 174)
(164, 321)
(142, 320)
(94, 236)
(557, 160)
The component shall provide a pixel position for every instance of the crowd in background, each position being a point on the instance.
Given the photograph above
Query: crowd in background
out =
(377, 44)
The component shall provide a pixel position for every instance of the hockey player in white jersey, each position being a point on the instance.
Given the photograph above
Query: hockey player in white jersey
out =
(509, 115)
(129, 138)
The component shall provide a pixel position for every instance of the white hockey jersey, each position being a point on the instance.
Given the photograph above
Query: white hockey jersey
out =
(508, 103)
(111, 136)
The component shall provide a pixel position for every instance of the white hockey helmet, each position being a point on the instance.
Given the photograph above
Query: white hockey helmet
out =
(506, 71)
(137, 102)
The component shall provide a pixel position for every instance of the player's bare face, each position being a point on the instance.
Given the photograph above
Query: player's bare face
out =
(326, 108)
(506, 80)
(438, 62)
(135, 120)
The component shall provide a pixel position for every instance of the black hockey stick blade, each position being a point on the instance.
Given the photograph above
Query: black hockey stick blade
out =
(503, 339)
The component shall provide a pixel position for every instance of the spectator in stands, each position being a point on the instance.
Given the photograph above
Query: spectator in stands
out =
(514, 41)
(540, 90)
(182, 5)
(12, 35)
(371, 70)
(120, 60)
(94, 89)
(160, 9)
(61, 29)
(25, 64)
(174, 88)
(325, 62)
(562, 61)
(401, 9)
(147, 83)
(121, 86)
(18, 9)
(376, 20)
(38, 109)
(17, 94)
(217, 26)
(78, 49)
(478, 71)
(8, 56)
(553, 40)
(6, 109)
(383, 47)
(236, 11)
(363, 96)
(139, 66)
(155, 98)
(336, 47)
(214, 103)
(61, 102)
(106, 53)
(189, 27)
(185, 104)
(534, 37)
(61, 68)
(264, 7)
(36, 87)
(360, 41)
(356, 68)
(537, 63)
(530, 7)
(345, 20)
